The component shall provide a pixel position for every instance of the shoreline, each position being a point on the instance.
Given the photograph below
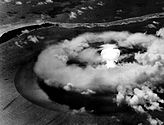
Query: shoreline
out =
(9, 27)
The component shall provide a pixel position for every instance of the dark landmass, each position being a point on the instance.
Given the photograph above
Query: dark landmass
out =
(84, 11)
(103, 15)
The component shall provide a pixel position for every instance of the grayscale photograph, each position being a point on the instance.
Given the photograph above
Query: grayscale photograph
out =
(81, 62)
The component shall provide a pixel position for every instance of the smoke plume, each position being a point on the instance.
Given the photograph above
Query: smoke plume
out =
(133, 82)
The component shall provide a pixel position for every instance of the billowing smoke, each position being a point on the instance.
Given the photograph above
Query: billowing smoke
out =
(134, 82)
(155, 121)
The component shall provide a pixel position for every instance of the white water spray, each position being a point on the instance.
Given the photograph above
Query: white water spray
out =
(110, 54)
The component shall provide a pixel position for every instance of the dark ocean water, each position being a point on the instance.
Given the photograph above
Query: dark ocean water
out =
(107, 11)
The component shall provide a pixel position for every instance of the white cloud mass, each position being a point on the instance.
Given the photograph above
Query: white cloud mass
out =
(132, 82)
